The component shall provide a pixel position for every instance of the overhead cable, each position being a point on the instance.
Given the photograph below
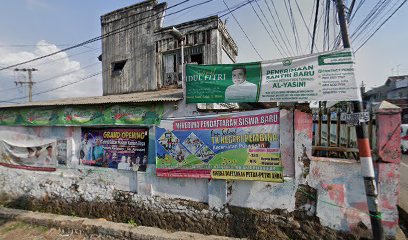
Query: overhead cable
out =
(243, 31)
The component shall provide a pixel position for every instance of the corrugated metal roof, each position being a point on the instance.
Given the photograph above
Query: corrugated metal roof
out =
(168, 95)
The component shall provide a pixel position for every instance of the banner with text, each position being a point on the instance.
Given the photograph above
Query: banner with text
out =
(119, 148)
(233, 146)
(320, 77)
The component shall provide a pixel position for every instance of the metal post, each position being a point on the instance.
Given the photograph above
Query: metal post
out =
(367, 168)
(30, 81)
(182, 63)
(30, 86)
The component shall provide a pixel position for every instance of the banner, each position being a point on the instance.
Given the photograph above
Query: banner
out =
(222, 83)
(233, 146)
(35, 156)
(321, 77)
(82, 115)
(119, 148)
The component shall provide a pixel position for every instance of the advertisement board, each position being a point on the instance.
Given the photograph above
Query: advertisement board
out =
(118, 148)
(325, 76)
(233, 146)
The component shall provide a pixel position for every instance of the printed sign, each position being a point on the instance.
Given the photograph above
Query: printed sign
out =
(222, 83)
(321, 77)
(35, 156)
(355, 119)
(119, 148)
(233, 146)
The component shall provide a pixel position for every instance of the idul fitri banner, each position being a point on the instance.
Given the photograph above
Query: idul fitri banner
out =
(325, 76)
(234, 146)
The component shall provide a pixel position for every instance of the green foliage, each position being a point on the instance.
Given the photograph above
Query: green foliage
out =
(132, 223)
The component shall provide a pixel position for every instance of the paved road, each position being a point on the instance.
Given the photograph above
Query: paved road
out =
(403, 197)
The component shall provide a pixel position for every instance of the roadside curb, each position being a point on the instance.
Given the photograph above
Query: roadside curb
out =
(101, 227)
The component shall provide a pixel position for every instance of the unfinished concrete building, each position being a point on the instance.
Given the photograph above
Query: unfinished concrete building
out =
(138, 54)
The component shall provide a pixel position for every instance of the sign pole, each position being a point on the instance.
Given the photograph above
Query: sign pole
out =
(367, 168)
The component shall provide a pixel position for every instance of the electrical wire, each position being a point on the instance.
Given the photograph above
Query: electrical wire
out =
(382, 24)
(56, 88)
(288, 48)
(121, 29)
(54, 77)
(374, 22)
(315, 26)
(266, 29)
(281, 25)
(71, 83)
(242, 29)
(301, 14)
(270, 27)
(294, 26)
(370, 19)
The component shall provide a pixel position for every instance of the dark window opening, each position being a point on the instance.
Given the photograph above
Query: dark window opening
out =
(117, 67)
(197, 58)
(208, 36)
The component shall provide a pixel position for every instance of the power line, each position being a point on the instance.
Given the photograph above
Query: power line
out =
(244, 32)
(280, 34)
(283, 29)
(132, 57)
(370, 18)
(267, 21)
(56, 88)
(294, 25)
(293, 29)
(386, 20)
(315, 25)
(301, 14)
(121, 29)
(355, 12)
(65, 57)
(266, 30)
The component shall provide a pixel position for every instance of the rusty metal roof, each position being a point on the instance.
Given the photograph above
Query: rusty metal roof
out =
(168, 95)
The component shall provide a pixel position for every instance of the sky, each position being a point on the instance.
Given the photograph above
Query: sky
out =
(33, 28)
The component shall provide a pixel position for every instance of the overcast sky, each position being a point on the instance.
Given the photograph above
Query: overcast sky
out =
(33, 28)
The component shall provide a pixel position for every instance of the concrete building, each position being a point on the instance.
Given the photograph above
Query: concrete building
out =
(144, 61)
(394, 90)
(139, 54)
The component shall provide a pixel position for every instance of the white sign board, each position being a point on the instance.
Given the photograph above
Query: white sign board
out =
(323, 77)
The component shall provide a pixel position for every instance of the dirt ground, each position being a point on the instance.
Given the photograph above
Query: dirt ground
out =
(12, 230)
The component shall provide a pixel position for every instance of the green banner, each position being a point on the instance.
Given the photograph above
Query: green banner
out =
(82, 115)
(327, 76)
(222, 83)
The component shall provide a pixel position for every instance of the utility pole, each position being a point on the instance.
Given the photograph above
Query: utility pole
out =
(30, 80)
(367, 167)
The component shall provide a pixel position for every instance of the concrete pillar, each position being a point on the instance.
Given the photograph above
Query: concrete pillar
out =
(303, 123)
(286, 142)
(388, 130)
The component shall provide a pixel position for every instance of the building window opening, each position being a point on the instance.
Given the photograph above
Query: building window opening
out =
(117, 67)
(197, 58)
(170, 69)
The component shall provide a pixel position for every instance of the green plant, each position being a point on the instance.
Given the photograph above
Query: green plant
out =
(132, 223)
